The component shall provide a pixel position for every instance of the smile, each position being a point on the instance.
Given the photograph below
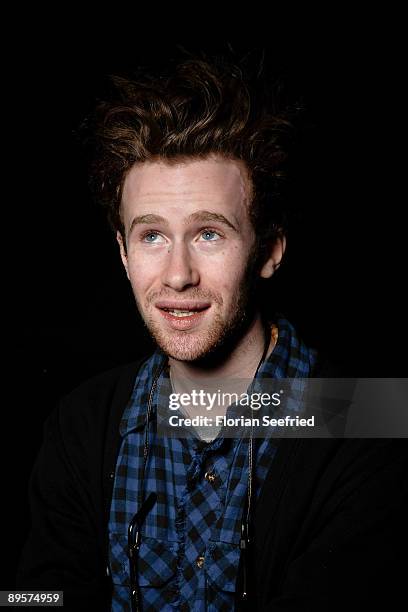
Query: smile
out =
(183, 316)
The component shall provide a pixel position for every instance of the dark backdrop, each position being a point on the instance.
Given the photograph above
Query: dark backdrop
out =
(73, 311)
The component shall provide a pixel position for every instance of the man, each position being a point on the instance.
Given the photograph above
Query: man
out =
(189, 164)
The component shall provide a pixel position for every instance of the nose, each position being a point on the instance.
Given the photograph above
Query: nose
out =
(180, 271)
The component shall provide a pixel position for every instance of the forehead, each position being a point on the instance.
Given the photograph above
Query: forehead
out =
(185, 185)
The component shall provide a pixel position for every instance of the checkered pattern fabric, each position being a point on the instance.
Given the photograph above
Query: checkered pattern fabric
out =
(189, 553)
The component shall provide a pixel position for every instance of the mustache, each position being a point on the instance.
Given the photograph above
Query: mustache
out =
(193, 294)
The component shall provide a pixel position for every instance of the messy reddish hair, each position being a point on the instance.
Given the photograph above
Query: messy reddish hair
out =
(194, 108)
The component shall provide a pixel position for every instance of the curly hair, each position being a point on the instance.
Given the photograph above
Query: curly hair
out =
(191, 109)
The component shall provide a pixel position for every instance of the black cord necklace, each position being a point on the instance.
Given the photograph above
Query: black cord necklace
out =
(246, 531)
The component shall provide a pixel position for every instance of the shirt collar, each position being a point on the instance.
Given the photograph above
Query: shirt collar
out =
(134, 416)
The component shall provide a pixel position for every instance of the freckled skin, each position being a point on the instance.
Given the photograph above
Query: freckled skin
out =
(180, 257)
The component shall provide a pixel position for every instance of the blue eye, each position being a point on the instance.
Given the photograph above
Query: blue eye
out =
(151, 237)
(209, 235)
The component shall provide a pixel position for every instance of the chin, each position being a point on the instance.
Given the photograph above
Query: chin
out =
(184, 348)
(187, 346)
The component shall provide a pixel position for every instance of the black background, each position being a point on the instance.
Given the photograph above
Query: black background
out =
(73, 313)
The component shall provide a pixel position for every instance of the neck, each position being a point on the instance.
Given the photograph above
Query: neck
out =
(241, 362)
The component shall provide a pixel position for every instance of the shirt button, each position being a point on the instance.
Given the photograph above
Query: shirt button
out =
(200, 561)
(111, 475)
(210, 476)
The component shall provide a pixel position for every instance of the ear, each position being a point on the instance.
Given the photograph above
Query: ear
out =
(273, 256)
(123, 255)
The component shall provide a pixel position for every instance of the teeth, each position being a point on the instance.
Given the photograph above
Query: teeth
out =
(181, 313)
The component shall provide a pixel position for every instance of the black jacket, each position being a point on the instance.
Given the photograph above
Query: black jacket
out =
(330, 523)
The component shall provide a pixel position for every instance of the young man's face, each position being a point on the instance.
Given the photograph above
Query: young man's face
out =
(189, 251)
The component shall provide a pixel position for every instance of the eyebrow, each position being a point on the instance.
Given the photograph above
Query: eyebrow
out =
(207, 215)
(200, 215)
(147, 219)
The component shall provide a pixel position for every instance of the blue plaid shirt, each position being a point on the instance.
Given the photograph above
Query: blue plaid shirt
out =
(189, 553)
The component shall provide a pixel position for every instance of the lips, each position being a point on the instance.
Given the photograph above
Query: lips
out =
(182, 315)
